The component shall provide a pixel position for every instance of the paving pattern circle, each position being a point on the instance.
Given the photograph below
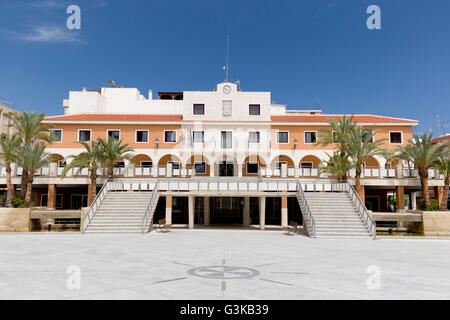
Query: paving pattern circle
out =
(223, 272)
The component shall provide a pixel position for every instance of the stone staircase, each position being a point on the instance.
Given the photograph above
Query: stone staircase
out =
(335, 215)
(122, 212)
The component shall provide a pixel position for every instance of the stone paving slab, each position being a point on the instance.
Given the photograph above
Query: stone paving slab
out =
(220, 264)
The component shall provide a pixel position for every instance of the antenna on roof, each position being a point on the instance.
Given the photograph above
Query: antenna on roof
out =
(113, 84)
(228, 53)
(318, 103)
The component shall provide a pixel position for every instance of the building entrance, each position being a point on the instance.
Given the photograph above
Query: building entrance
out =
(226, 210)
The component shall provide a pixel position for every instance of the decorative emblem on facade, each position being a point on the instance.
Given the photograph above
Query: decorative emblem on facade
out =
(226, 108)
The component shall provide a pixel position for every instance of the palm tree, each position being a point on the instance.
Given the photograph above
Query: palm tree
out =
(31, 158)
(9, 146)
(389, 155)
(29, 128)
(341, 130)
(444, 169)
(424, 155)
(91, 158)
(355, 143)
(337, 164)
(360, 146)
(114, 152)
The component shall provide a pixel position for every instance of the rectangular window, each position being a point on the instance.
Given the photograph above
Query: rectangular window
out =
(84, 135)
(5, 119)
(282, 137)
(254, 109)
(252, 167)
(253, 137)
(57, 134)
(62, 163)
(142, 136)
(279, 163)
(395, 137)
(199, 109)
(200, 167)
(310, 137)
(175, 164)
(226, 140)
(198, 136)
(306, 165)
(170, 136)
(146, 164)
(119, 165)
(58, 204)
(114, 134)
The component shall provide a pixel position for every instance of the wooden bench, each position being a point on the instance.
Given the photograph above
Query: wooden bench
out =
(291, 228)
(162, 225)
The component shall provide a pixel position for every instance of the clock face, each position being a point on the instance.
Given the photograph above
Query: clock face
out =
(226, 89)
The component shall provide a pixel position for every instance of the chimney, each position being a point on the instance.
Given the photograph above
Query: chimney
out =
(150, 94)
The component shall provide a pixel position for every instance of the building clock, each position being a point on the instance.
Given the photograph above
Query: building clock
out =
(226, 89)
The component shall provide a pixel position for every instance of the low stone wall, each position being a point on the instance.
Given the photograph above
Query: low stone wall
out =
(433, 223)
(15, 219)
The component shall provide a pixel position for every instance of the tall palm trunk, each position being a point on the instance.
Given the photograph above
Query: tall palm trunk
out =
(444, 201)
(425, 189)
(28, 192)
(23, 183)
(110, 173)
(92, 189)
(358, 181)
(9, 187)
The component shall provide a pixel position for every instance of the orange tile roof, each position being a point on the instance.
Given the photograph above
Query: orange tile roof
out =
(116, 117)
(357, 118)
(441, 138)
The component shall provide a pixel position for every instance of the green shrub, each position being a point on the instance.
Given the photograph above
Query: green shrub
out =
(434, 205)
(393, 201)
(19, 201)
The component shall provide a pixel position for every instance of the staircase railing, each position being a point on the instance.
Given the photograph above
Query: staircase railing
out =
(147, 210)
(362, 210)
(95, 205)
(306, 211)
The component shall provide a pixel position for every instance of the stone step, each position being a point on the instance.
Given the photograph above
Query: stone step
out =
(330, 227)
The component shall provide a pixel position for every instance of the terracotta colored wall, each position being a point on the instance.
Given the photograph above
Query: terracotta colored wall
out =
(127, 134)
(382, 132)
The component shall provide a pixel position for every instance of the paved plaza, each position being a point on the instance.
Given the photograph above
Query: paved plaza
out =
(220, 264)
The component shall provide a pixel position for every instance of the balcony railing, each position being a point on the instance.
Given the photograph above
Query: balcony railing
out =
(263, 172)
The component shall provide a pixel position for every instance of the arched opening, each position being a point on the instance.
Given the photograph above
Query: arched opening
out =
(252, 164)
(371, 163)
(309, 162)
(142, 161)
(165, 161)
(199, 164)
(279, 160)
(170, 158)
(58, 159)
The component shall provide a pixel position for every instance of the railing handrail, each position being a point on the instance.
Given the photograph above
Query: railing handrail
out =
(147, 209)
(309, 219)
(367, 218)
(90, 213)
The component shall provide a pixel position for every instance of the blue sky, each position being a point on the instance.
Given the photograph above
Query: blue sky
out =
(299, 50)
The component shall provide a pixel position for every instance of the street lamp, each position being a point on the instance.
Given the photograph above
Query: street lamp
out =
(157, 142)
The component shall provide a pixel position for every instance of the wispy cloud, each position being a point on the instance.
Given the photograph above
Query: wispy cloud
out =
(51, 34)
(48, 4)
